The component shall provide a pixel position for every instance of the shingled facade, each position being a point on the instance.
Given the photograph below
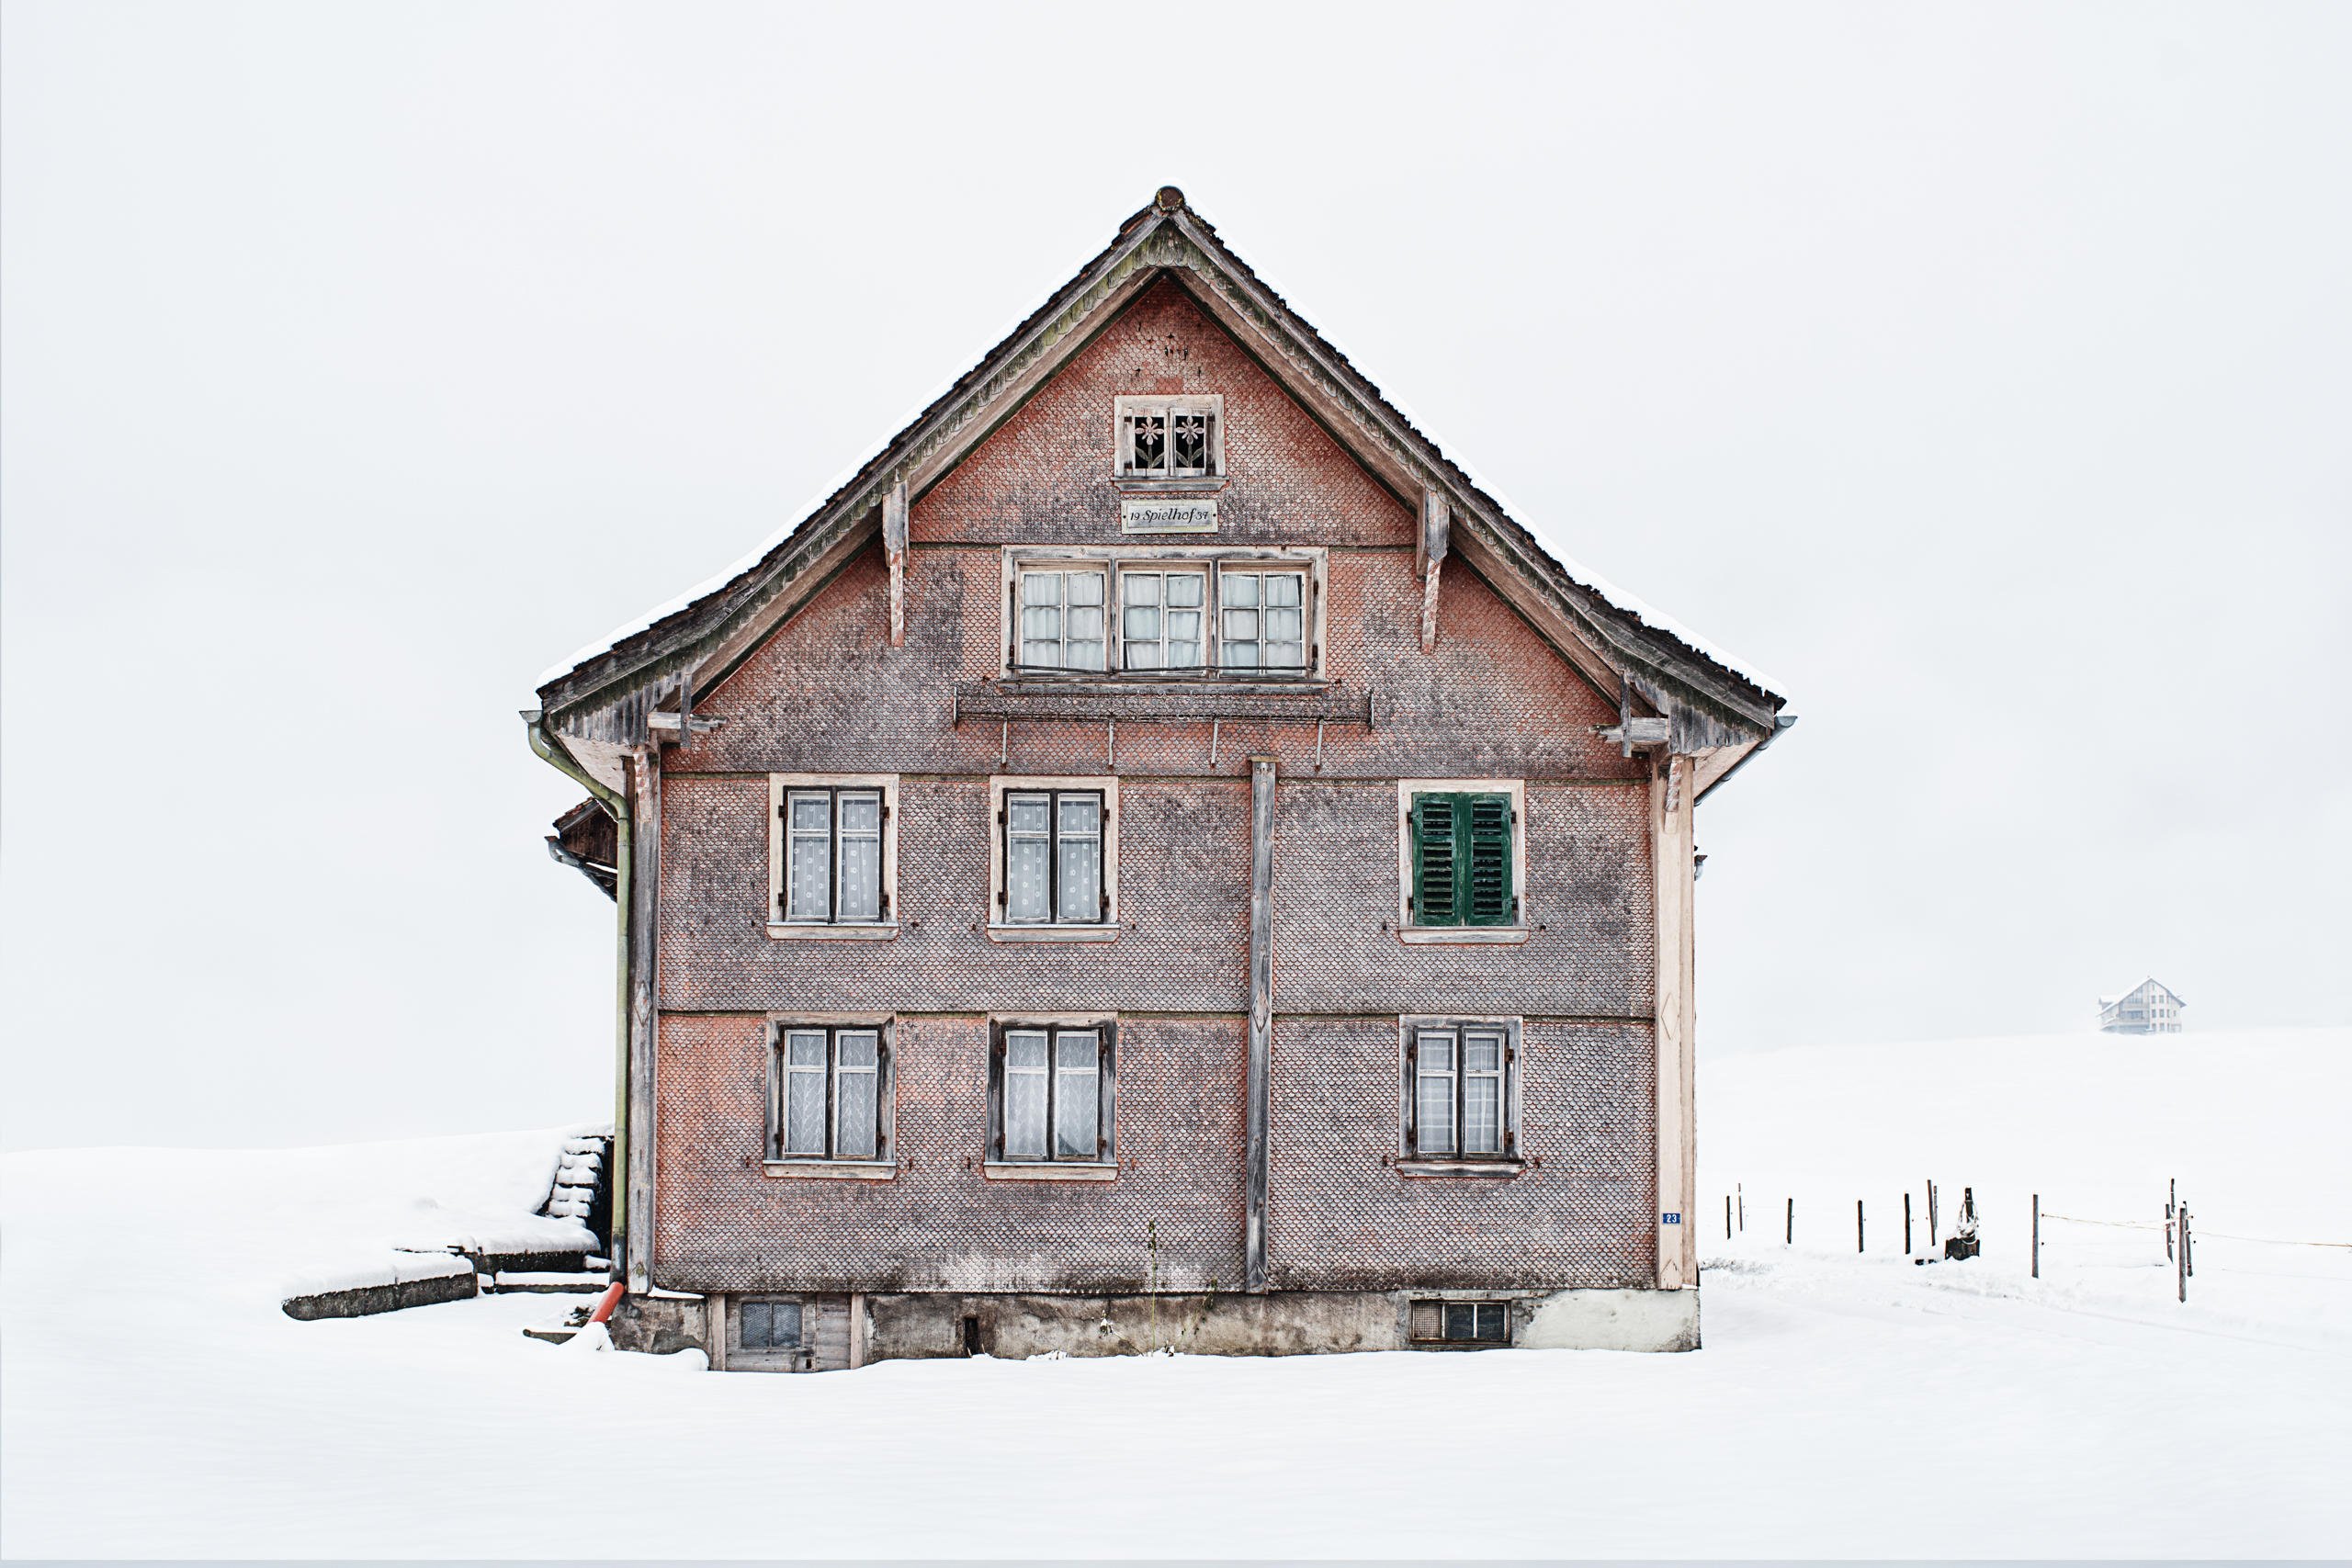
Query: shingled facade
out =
(1158, 858)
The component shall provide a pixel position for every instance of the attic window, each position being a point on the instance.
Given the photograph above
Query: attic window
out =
(1170, 438)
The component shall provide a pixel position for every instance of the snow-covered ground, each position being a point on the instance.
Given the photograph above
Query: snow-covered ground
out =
(156, 1401)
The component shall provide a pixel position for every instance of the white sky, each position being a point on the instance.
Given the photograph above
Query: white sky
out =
(1984, 372)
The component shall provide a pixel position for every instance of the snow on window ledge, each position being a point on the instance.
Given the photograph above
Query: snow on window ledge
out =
(781, 930)
(834, 1169)
(1048, 1170)
(1463, 936)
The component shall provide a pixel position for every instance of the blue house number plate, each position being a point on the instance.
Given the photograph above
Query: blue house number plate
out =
(1669, 1219)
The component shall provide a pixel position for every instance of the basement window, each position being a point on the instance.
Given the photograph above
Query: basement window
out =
(1461, 1091)
(771, 1325)
(1462, 1324)
(830, 1097)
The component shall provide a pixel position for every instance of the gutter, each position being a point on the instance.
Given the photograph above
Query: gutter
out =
(550, 751)
(1780, 722)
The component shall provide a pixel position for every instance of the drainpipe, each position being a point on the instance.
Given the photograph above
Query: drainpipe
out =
(550, 751)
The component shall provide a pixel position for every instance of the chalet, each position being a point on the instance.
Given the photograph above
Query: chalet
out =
(1160, 857)
(2146, 1008)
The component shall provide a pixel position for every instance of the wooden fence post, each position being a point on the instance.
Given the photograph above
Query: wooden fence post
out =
(2037, 1235)
(1907, 1225)
(1726, 1217)
(1792, 1238)
(2180, 1263)
(1857, 1224)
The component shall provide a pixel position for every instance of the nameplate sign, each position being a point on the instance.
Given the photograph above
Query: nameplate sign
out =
(1149, 515)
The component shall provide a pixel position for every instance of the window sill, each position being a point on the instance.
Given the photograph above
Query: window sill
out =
(1048, 1170)
(1108, 931)
(1191, 484)
(781, 930)
(1463, 936)
(1490, 1170)
(834, 1169)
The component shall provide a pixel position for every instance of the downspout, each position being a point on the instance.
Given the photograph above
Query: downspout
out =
(550, 752)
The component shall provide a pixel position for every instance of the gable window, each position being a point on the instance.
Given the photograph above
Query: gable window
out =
(1170, 438)
(831, 1093)
(1264, 619)
(1462, 858)
(1052, 1091)
(833, 859)
(1061, 619)
(1160, 619)
(1459, 1089)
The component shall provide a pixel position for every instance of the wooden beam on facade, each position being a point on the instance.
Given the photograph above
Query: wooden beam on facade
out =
(645, 848)
(1262, 1008)
(1437, 522)
(1672, 797)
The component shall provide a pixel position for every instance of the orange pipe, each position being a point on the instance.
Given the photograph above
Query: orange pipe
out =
(606, 1302)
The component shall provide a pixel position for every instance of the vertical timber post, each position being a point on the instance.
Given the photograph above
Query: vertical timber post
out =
(1857, 1224)
(2037, 1235)
(645, 850)
(1261, 1005)
(1906, 1224)
(1670, 837)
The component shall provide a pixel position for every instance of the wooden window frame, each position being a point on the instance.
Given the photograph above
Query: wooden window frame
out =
(1015, 643)
(1411, 1158)
(781, 788)
(1163, 571)
(999, 926)
(1103, 1164)
(882, 1165)
(1124, 411)
(1409, 930)
(1310, 563)
(1440, 1306)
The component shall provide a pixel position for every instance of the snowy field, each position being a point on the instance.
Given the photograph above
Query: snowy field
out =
(157, 1402)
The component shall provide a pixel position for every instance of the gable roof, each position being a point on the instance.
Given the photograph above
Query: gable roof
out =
(599, 702)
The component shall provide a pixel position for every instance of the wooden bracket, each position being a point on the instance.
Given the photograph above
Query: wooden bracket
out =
(1437, 523)
(894, 549)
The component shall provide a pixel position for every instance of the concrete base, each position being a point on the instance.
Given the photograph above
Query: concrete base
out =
(913, 1326)
(366, 1301)
(1613, 1320)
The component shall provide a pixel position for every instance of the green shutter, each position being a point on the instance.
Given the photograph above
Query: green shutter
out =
(1436, 860)
(1485, 859)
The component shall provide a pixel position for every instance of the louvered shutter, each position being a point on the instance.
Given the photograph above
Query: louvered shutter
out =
(1485, 859)
(1106, 1069)
(1412, 1094)
(1436, 860)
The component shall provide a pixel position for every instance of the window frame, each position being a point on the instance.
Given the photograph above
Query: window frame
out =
(1410, 1155)
(781, 788)
(1103, 1164)
(1018, 607)
(1000, 926)
(1124, 410)
(1409, 930)
(1309, 563)
(1427, 1308)
(882, 1165)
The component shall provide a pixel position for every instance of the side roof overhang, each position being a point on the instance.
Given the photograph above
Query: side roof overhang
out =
(601, 706)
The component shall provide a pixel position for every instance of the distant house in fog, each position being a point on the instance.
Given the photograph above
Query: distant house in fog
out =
(2146, 1008)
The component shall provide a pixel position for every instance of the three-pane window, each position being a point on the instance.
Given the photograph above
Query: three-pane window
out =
(1159, 615)
(1458, 1091)
(831, 1095)
(1462, 1323)
(832, 856)
(1053, 1099)
(1053, 858)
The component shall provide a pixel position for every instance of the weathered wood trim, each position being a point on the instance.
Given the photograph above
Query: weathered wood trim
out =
(645, 818)
(894, 551)
(1463, 936)
(831, 1169)
(1672, 802)
(1436, 524)
(856, 1330)
(715, 1329)
(885, 931)
(1048, 1170)
(1261, 1007)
